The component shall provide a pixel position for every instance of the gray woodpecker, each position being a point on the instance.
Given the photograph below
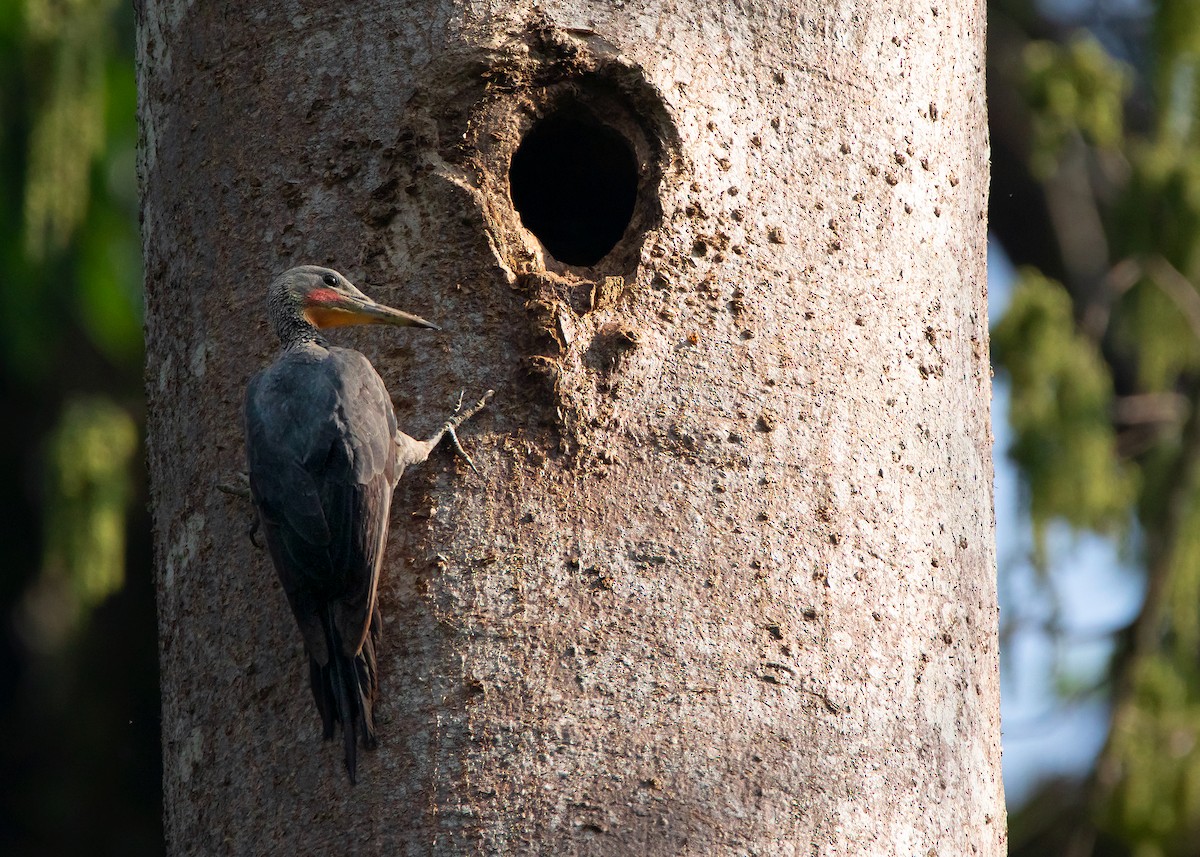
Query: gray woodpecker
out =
(324, 456)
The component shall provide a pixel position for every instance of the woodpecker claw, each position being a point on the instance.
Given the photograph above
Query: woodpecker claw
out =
(252, 531)
(460, 417)
(458, 448)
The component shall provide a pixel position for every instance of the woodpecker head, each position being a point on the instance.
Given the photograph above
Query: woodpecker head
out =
(310, 296)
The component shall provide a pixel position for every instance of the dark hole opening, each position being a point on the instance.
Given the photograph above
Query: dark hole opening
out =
(574, 182)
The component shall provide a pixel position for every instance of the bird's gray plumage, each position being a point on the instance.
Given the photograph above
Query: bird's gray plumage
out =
(323, 466)
(322, 454)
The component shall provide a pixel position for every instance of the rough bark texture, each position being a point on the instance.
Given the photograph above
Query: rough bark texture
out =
(725, 582)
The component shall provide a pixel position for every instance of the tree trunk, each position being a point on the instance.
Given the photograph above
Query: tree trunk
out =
(724, 582)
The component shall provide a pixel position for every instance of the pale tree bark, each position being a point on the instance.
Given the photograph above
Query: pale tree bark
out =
(725, 580)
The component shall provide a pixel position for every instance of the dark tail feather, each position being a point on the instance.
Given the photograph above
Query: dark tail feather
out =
(322, 691)
(342, 673)
(367, 673)
(345, 690)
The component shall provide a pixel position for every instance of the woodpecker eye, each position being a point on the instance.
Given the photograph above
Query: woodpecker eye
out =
(330, 280)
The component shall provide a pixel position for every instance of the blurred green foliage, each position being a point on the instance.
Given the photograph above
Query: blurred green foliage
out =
(71, 250)
(1060, 411)
(1072, 88)
(70, 42)
(87, 491)
(1175, 41)
(78, 687)
(1105, 372)
(81, 261)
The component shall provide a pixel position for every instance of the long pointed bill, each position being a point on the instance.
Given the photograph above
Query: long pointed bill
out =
(347, 310)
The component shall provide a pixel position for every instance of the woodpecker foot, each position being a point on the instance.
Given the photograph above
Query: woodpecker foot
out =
(241, 489)
(460, 417)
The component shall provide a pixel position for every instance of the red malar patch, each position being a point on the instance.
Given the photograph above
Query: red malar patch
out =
(318, 297)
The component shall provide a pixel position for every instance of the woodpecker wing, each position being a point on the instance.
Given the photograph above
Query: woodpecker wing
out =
(320, 443)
